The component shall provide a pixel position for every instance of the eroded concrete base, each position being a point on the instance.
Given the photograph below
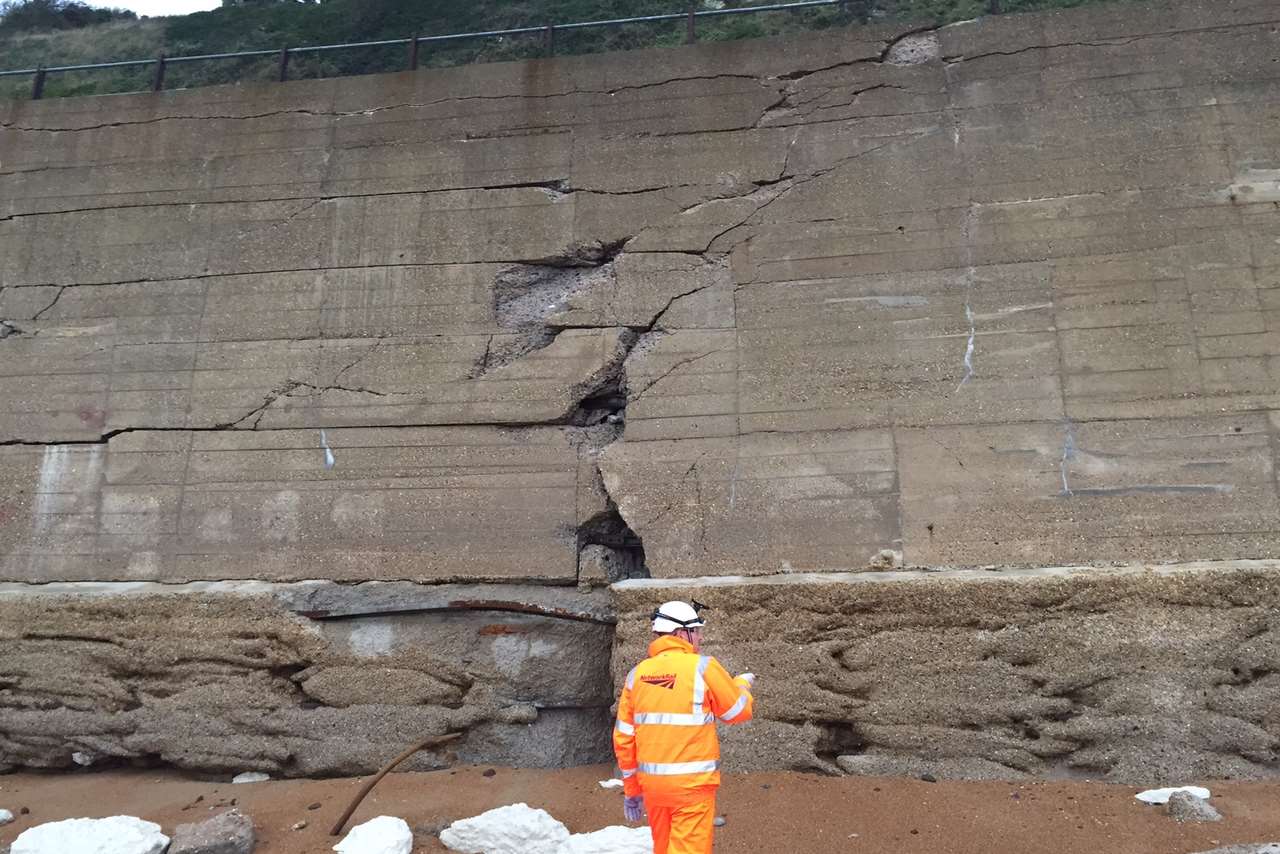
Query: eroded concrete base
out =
(1135, 674)
(229, 677)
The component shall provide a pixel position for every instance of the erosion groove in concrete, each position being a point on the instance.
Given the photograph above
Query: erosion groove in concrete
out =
(992, 294)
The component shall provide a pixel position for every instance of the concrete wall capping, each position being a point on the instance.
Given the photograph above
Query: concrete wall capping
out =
(387, 405)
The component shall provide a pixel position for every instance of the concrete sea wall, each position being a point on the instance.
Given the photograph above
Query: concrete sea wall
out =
(331, 409)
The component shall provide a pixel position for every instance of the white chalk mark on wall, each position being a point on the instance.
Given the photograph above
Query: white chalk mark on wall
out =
(329, 460)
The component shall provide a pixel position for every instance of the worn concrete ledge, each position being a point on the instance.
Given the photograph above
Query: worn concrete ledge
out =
(1137, 674)
(994, 573)
(326, 599)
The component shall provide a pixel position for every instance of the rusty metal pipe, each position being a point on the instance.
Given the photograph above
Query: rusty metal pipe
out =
(433, 741)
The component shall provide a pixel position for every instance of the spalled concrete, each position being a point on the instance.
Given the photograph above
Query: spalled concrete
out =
(992, 294)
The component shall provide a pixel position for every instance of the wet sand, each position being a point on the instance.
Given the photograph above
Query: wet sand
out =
(767, 812)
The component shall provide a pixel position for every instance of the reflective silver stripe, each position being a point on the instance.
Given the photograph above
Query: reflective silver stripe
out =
(671, 719)
(700, 683)
(626, 728)
(626, 774)
(631, 679)
(669, 768)
(735, 709)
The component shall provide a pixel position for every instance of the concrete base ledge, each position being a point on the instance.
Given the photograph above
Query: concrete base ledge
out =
(327, 599)
(310, 679)
(1139, 674)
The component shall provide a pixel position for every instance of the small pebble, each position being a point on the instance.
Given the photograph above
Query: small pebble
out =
(5, 817)
(300, 825)
(314, 806)
(24, 811)
(489, 773)
(928, 778)
(719, 821)
(765, 786)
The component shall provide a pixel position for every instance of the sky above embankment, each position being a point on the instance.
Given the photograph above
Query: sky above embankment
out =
(160, 7)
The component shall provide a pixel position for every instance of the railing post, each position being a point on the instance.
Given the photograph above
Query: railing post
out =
(158, 83)
(549, 40)
(284, 64)
(37, 85)
(691, 26)
(413, 53)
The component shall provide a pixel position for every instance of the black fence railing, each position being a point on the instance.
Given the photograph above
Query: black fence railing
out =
(280, 58)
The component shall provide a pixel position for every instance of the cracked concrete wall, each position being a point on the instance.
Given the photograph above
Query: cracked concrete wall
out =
(997, 293)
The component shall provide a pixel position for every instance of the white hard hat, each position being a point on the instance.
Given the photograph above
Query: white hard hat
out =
(671, 616)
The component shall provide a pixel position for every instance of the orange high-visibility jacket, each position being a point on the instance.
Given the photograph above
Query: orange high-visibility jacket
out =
(665, 736)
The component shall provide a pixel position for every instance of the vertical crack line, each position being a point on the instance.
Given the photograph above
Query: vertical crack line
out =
(967, 228)
(1068, 454)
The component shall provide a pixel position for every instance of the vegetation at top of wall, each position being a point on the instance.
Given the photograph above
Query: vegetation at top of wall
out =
(27, 15)
(245, 25)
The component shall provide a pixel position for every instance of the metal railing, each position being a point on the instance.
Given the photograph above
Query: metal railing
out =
(548, 33)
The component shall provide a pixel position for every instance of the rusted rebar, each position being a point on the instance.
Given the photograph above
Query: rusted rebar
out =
(433, 741)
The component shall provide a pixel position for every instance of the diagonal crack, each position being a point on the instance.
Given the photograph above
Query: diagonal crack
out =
(632, 398)
(61, 290)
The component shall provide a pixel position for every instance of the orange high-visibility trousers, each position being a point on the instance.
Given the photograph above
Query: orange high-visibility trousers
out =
(683, 830)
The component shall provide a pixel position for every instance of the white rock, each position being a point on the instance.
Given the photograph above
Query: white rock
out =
(382, 835)
(611, 840)
(5, 817)
(611, 784)
(251, 777)
(513, 829)
(85, 759)
(1161, 796)
(119, 834)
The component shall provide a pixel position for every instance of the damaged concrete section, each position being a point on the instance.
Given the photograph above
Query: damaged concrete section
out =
(224, 677)
(1136, 675)
(424, 353)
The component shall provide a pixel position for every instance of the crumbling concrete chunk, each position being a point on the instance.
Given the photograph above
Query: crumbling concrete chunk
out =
(382, 835)
(119, 834)
(1184, 806)
(913, 50)
(615, 839)
(513, 829)
(228, 833)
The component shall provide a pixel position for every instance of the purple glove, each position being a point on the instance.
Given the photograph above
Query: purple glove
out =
(633, 808)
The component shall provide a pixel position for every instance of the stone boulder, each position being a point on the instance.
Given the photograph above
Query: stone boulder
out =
(1184, 806)
(228, 833)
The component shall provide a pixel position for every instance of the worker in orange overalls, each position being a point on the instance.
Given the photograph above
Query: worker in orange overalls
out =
(665, 737)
